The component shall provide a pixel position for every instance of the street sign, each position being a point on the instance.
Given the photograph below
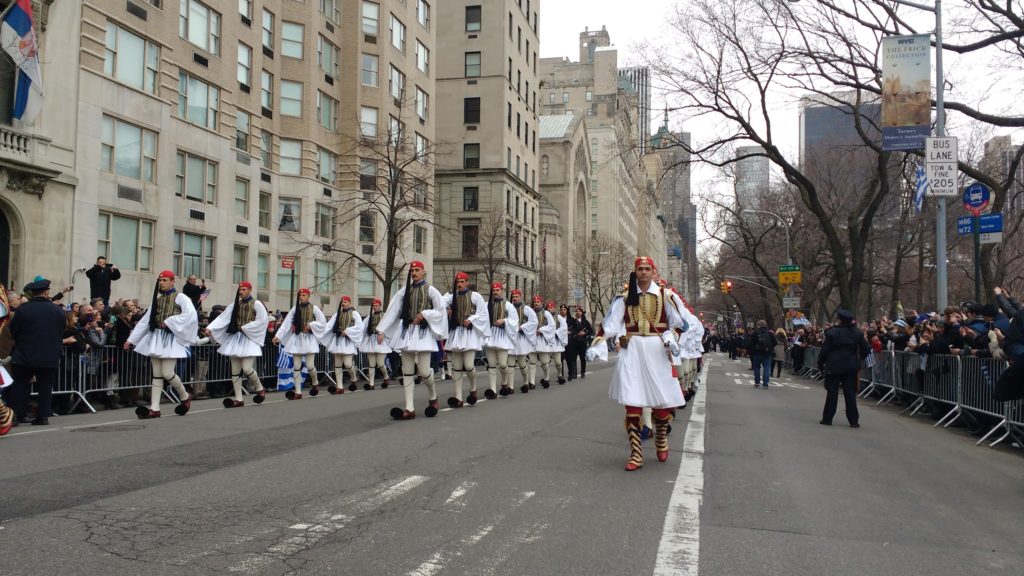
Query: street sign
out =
(991, 237)
(940, 166)
(965, 226)
(793, 302)
(976, 197)
(789, 274)
(990, 223)
(288, 262)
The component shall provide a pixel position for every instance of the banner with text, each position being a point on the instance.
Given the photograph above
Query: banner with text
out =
(906, 91)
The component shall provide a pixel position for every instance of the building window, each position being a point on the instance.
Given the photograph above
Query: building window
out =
(589, 96)
(242, 198)
(291, 39)
(196, 178)
(368, 75)
(285, 276)
(128, 150)
(266, 150)
(327, 55)
(397, 84)
(565, 97)
(198, 101)
(131, 59)
(126, 241)
(366, 281)
(291, 157)
(470, 233)
(470, 155)
(551, 97)
(423, 13)
(473, 18)
(396, 134)
(289, 215)
(471, 110)
(421, 148)
(200, 25)
(397, 34)
(508, 114)
(419, 239)
(368, 122)
(263, 271)
(325, 221)
(244, 64)
(264, 216)
(239, 264)
(291, 98)
(470, 199)
(245, 8)
(422, 58)
(322, 276)
(266, 90)
(367, 227)
(422, 104)
(193, 254)
(327, 165)
(419, 195)
(327, 111)
(329, 8)
(371, 18)
(268, 29)
(472, 64)
(243, 123)
(367, 175)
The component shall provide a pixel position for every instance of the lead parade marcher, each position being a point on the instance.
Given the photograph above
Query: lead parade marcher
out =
(641, 323)
(240, 331)
(414, 321)
(469, 327)
(544, 345)
(341, 337)
(376, 351)
(524, 340)
(504, 325)
(296, 335)
(164, 334)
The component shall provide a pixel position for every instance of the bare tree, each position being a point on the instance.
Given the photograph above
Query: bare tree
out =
(601, 268)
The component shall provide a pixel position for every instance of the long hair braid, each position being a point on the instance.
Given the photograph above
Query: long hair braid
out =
(297, 317)
(337, 321)
(233, 326)
(153, 310)
(633, 296)
(407, 299)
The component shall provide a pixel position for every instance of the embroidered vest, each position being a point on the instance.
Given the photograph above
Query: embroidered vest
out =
(371, 324)
(519, 310)
(246, 311)
(542, 320)
(498, 312)
(462, 307)
(166, 307)
(305, 314)
(651, 309)
(419, 300)
(344, 320)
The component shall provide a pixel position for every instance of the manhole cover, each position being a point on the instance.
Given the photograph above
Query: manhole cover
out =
(117, 428)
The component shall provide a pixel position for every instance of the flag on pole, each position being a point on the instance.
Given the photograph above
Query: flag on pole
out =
(922, 186)
(18, 40)
(204, 295)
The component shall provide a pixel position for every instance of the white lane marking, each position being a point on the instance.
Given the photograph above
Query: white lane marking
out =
(460, 491)
(679, 549)
(439, 560)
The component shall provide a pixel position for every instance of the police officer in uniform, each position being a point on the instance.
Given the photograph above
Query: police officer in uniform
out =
(840, 359)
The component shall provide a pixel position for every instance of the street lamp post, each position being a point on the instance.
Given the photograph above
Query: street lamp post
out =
(789, 259)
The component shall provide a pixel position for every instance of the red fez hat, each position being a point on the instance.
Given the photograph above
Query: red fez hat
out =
(304, 291)
(417, 264)
(166, 274)
(462, 276)
(346, 298)
(517, 292)
(551, 304)
(376, 301)
(538, 299)
(496, 286)
(644, 260)
(245, 284)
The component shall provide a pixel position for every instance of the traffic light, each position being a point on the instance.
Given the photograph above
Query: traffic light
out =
(721, 287)
(728, 286)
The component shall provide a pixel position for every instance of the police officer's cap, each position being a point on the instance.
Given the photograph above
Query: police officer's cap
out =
(844, 314)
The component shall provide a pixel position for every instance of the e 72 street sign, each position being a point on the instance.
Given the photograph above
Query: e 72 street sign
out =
(940, 166)
(789, 274)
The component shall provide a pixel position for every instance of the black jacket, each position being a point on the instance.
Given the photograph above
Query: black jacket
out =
(581, 324)
(193, 291)
(100, 278)
(1015, 311)
(843, 350)
(38, 332)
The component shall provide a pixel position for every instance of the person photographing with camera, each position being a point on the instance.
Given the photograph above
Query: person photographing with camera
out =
(100, 276)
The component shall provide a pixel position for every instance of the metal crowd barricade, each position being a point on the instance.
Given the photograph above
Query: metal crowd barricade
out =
(941, 386)
(905, 383)
(880, 373)
(979, 379)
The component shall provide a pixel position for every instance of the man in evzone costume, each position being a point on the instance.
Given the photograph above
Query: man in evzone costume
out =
(641, 323)
(524, 340)
(296, 334)
(469, 328)
(164, 333)
(562, 338)
(241, 330)
(376, 351)
(341, 337)
(504, 324)
(545, 344)
(413, 323)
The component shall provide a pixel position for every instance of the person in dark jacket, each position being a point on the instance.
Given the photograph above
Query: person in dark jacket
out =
(581, 332)
(194, 290)
(37, 330)
(100, 276)
(840, 358)
(1013, 337)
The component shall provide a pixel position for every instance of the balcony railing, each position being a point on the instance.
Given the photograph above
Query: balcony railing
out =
(15, 145)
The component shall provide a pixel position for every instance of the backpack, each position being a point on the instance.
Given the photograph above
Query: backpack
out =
(764, 342)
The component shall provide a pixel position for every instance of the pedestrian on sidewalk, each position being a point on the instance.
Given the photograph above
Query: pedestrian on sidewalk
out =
(761, 346)
(840, 359)
(779, 352)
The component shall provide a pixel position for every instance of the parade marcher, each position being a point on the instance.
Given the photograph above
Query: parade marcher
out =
(504, 325)
(37, 331)
(341, 336)
(241, 331)
(469, 327)
(164, 334)
(840, 359)
(376, 351)
(544, 345)
(524, 340)
(414, 322)
(562, 336)
(641, 324)
(296, 334)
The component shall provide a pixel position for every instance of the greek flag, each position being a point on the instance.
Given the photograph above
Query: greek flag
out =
(18, 40)
(922, 186)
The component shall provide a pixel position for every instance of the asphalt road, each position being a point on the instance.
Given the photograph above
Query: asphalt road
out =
(528, 485)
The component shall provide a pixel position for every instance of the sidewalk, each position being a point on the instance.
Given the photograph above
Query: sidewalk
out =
(785, 495)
